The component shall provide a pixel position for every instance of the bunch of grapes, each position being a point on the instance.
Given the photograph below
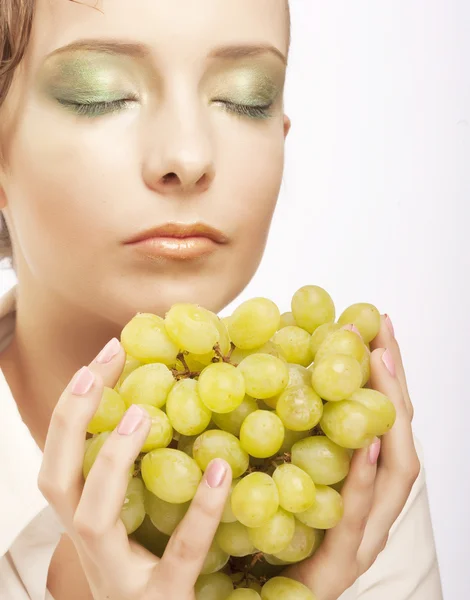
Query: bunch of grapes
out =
(282, 398)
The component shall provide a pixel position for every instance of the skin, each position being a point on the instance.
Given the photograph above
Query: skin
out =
(74, 188)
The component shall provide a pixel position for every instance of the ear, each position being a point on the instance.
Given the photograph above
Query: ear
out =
(287, 125)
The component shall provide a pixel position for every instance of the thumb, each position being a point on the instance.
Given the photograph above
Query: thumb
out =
(187, 549)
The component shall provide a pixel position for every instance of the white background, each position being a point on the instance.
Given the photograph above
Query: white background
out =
(374, 208)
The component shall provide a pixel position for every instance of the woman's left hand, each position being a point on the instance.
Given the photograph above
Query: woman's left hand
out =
(374, 493)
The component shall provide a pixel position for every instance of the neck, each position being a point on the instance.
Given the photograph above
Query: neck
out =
(52, 341)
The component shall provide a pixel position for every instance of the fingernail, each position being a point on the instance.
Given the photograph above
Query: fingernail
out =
(82, 382)
(109, 351)
(352, 328)
(389, 324)
(389, 362)
(131, 420)
(215, 473)
(374, 452)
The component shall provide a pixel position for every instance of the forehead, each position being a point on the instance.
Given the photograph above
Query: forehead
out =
(187, 28)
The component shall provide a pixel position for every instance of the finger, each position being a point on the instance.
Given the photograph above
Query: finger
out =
(60, 478)
(187, 549)
(334, 565)
(386, 339)
(358, 494)
(397, 445)
(97, 518)
(399, 464)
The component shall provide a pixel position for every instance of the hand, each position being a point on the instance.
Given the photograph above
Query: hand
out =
(374, 496)
(116, 567)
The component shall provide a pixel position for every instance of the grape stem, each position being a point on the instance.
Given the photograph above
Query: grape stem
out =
(187, 373)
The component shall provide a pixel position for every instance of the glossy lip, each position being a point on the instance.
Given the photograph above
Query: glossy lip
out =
(178, 241)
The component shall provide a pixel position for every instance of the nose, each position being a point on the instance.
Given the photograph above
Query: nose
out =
(179, 159)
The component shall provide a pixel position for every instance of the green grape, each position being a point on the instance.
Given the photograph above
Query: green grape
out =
(149, 384)
(283, 588)
(299, 408)
(290, 438)
(109, 412)
(149, 537)
(276, 562)
(348, 343)
(312, 306)
(348, 424)
(244, 594)
(365, 317)
(301, 545)
(220, 444)
(161, 431)
(171, 475)
(232, 421)
(186, 443)
(296, 489)
(253, 323)
(287, 320)
(261, 434)
(327, 511)
(192, 328)
(221, 387)
(216, 560)
(383, 409)
(223, 343)
(276, 534)
(233, 538)
(294, 343)
(319, 336)
(343, 342)
(322, 459)
(130, 366)
(227, 515)
(146, 339)
(133, 510)
(298, 375)
(217, 586)
(336, 377)
(265, 375)
(255, 499)
(185, 409)
(269, 348)
(164, 515)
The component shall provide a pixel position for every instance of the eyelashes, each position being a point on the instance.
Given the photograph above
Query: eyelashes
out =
(96, 109)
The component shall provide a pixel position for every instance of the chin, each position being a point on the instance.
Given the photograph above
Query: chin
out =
(158, 296)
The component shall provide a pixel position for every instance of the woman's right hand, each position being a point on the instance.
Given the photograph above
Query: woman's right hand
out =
(116, 567)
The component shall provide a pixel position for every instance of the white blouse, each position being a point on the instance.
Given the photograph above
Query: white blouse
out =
(407, 569)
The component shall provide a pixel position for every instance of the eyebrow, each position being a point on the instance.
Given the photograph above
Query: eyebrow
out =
(136, 50)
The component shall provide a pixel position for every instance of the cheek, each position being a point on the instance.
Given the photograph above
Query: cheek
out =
(253, 170)
(67, 182)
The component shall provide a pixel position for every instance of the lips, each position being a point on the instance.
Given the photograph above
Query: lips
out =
(181, 231)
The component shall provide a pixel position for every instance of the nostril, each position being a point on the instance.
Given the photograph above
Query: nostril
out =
(170, 178)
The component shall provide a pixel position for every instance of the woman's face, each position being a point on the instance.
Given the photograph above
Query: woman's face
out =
(160, 112)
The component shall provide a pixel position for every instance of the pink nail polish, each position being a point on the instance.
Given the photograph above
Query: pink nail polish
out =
(109, 351)
(388, 361)
(215, 473)
(374, 452)
(82, 382)
(131, 420)
(389, 324)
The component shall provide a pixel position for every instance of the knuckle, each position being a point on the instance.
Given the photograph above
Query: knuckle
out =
(61, 417)
(51, 489)
(184, 548)
(85, 529)
(107, 459)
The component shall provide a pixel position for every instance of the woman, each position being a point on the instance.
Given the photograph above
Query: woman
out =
(160, 121)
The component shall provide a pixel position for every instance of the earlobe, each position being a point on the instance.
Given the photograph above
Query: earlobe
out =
(287, 125)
